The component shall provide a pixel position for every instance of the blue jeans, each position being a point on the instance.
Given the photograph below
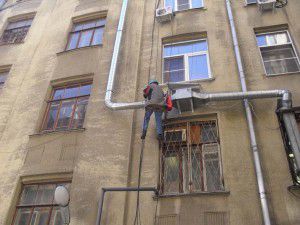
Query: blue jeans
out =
(158, 118)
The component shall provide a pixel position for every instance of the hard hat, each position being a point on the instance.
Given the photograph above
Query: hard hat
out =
(153, 81)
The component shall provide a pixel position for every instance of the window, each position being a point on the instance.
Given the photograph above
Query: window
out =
(278, 53)
(178, 5)
(251, 2)
(67, 107)
(2, 3)
(36, 206)
(191, 160)
(16, 32)
(86, 33)
(186, 61)
(3, 77)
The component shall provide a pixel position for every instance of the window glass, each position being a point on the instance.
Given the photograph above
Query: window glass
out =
(171, 174)
(52, 115)
(197, 169)
(29, 195)
(73, 41)
(179, 49)
(56, 217)
(198, 68)
(58, 94)
(169, 3)
(79, 113)
(3, 77)
(71, 92)
(65, 114)
(40, 216)
(101, 22)
(97, 39)
(183, 4)
(85, 39)
(278, 53)
(197, 3)
(85, 89)
(45, 194)
(251, 1)
(174, 69)
(22, 217)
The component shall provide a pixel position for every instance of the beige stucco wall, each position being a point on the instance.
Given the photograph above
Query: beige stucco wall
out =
(106, 152)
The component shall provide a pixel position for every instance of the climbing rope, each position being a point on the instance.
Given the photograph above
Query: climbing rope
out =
(137, 219)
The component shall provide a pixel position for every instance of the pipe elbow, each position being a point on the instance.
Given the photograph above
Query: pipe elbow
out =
(286, 99)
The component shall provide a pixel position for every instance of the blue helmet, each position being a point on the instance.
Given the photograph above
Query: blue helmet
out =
(153, 81)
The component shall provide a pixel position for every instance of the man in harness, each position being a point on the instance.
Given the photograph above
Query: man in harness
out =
(155, 102)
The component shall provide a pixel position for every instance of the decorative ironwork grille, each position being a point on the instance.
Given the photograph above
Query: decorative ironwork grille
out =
(16, 32)
(190, 158)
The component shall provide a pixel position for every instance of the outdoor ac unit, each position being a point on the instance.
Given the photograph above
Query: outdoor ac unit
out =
(265, 5)
(164, 14)
(178, 135)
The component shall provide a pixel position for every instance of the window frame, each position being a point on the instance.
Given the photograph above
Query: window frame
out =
(51, 100)
(185, 60)
(31, 207)
(189, 188)
(275, 45)
(190, 5)
(17, 28)
(83, 30)
(251, 3)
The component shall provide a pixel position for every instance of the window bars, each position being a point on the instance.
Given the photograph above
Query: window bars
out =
(190, 159)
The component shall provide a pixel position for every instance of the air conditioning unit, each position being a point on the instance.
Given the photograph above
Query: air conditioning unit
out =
(164, 14)
(178, 135)
(265, 5)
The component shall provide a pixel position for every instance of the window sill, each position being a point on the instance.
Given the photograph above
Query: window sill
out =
(57, 131)
(190, 10)
(78, 49)
(282, 74)
(192, 194)
(190, 82)
(11, 43)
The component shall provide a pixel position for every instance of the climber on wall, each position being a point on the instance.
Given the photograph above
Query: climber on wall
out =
(154, 102)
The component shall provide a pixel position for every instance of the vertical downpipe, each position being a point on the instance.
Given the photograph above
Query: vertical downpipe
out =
(258, 170)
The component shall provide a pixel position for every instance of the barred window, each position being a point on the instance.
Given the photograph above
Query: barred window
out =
(86, 33)
(16, 32)
(191, 160)
(67, 107)
(178, 5)
(278, 53)
(36, 205)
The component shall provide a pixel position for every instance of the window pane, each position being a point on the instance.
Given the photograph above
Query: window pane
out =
(3, 77)
(278, 38)
(85, 89)
(58, 94)
(79, 113)
(171, 174)
(197, 3)
(56, 217)
(169, 3)
(14, 36)
(65, 114)
(174, 70)
(277, 52)
(22, 217)
(251, 1)
(40, 216)
(183, 4)
(282, 66)
(78, 27)
(71, 92)
(45, 194)
(51, 117)
(89, 24)
(198, 68)
(28, 195)
(190, 47)
(209, 133)
(73, 41)
(261, 40)
(85, 38)
(196, 169)
(98, 35)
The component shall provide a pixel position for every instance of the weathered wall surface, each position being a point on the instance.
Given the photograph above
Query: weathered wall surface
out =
(106, 152)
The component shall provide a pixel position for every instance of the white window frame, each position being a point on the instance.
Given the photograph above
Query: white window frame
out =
(251, 3)
(190, 5)
(205, 152)
(290, 42)
(186, 60)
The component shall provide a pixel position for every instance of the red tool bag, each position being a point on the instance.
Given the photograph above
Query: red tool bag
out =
(169, 104)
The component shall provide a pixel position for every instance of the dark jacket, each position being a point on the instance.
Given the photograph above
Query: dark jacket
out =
(154, 96)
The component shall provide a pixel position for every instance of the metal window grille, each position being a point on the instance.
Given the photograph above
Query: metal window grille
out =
(16, 32)
(86, 33)
(67, 107)
(36, 205)
(190, 158)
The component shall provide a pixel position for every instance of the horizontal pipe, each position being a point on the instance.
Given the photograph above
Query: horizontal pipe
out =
(115, 189)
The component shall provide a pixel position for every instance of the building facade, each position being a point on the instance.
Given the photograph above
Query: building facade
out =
(55, 128)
